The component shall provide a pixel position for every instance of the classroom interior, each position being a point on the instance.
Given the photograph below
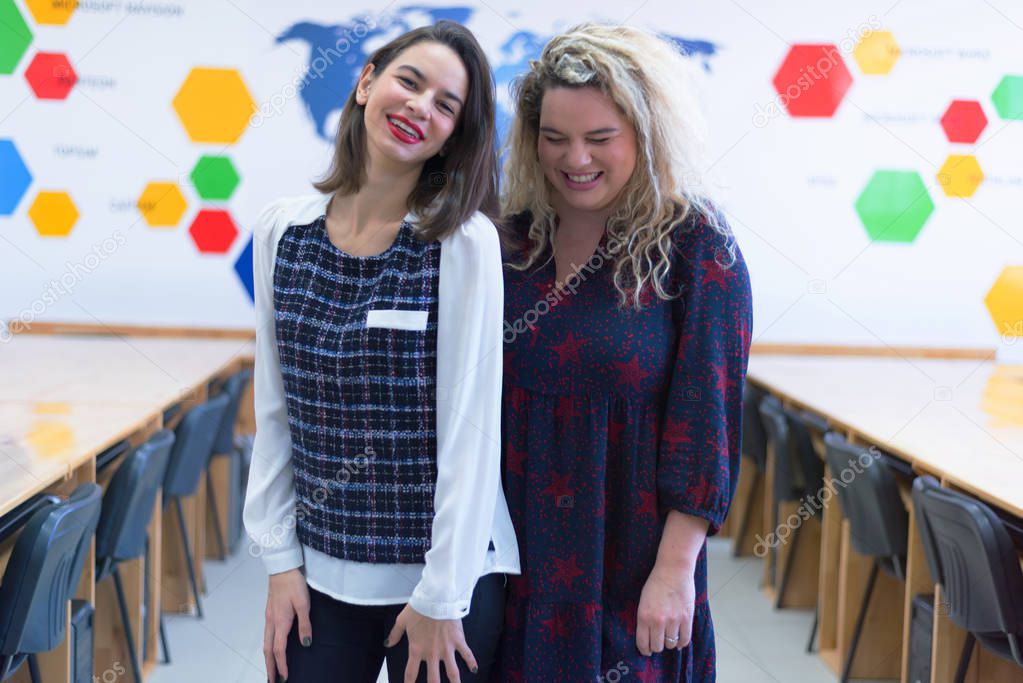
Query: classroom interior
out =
(876, 533)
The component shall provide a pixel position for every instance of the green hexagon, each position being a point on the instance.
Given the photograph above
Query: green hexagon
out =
(214, 177)
(1008, 97)
(14, 36)
(894, 206)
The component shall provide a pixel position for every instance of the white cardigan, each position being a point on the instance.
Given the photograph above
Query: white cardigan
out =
(469, 505)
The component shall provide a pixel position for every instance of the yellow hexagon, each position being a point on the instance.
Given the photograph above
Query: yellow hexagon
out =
(54, 12)
(1005, 303)
(162, 205)
(877, 52)
(960, 175)
(53, 214)
(214, 105)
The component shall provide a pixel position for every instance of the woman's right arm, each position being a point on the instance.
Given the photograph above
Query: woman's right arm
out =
(269, 512)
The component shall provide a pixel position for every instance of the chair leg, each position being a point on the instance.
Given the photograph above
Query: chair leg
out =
(188, 556)
(163, 641)
(33, 669)
(964, 659)
(813, 629)
(786, 571)
(211, 496)
(744, 522)
(129, 636)
(859, 624)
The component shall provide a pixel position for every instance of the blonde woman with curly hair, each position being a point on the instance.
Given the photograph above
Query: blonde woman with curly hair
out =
(627, 332)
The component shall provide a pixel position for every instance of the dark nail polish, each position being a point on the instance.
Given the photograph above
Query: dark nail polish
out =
(475, 669)
(387, 641)
(307, 641)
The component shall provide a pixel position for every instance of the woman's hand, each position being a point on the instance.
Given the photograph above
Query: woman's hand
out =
(287, 598)
(432, 641)
(666, 609)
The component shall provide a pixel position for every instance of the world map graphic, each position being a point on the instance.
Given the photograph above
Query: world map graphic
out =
(338, 52)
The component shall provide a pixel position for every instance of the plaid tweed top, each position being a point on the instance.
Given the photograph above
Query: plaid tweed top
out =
(357, 339)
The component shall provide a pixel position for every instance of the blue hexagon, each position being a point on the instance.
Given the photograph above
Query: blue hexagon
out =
(14, 177)
(243, 267)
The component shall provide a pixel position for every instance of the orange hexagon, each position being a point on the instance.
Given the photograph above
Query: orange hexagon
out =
(53, 214)
(214, 105)
(162, 205)
(1004, 302)
(54, 12)
(960, 175)
(877, 52)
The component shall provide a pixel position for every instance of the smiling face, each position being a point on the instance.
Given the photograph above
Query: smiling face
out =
(414, 104)
(586, 147)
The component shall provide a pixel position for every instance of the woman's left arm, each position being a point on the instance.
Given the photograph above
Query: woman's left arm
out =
(698, 456)
(469, 375)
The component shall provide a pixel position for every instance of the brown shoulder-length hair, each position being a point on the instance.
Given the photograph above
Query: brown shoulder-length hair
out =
(452, 187)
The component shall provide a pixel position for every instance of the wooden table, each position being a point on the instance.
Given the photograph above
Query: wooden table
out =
(64, 400)
(958, 420)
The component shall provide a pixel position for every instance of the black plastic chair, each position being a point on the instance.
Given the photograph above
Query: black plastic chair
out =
(878, 521)
(189, 458)
(808, 465)
(224, 444)
(972, 557)
(754, 450)
(41, 577)
(127, 511)
(785, 486)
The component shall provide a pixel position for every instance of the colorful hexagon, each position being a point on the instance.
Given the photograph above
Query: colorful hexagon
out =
(1008, 97)
(14, 36)
(964, 121)
(243, 267)
(162, 205)
(894, 206)
(876, 53)
(960, 175)
(53, 214)
(1004, 302)
(214, 177)
(54, 12)
(812, 80)
(51, 76)
(15, 175)
(214, 105)
(213, 231)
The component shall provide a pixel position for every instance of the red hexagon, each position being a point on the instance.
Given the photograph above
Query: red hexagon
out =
(964, 121)
(812, 80)
(51, 76)
(213, 231)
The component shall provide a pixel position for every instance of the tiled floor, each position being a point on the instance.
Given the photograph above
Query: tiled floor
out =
(755, 643)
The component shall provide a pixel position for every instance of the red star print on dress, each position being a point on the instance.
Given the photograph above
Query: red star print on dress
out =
(620, 416)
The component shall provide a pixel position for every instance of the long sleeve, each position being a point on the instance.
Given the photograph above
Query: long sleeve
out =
(269, 512)
(469, 367)
(698, 458)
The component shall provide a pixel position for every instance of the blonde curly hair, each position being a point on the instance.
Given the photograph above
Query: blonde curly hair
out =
(648, 78)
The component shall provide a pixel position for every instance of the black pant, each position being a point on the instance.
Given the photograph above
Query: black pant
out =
(348, 640)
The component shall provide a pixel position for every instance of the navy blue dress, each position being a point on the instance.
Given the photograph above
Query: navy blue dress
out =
(611, 418)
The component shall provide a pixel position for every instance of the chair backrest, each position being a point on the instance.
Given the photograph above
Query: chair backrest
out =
(777, 428)
(869, 493)
(129, 500)
(233, 387)
(44, 570)
(754, 439)
(811, 466)
(193, 445)
(973, 558)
